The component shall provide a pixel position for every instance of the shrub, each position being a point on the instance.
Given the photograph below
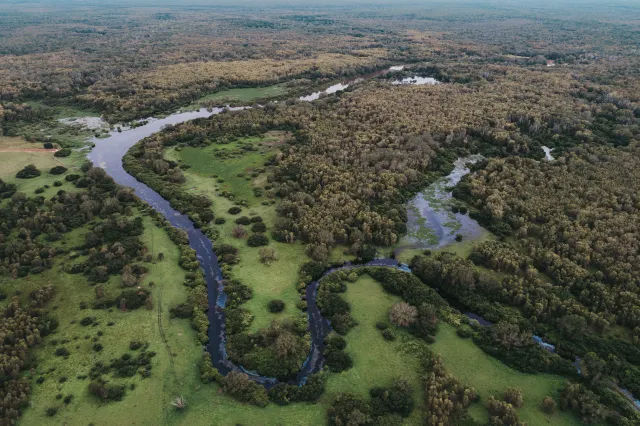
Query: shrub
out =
(335, 342)
(97, 347)
(64, 152)
(105, 391)
(243, 220)
(238, 385)
(382, 325)
(548, 405)
(389, 334)
(256, 219)
(402, 314)
(514, 397)
(235, 210)
(258, 227)
(220, 220)
(267, 255)
(57, 170)
(62, 351)
(464, 332)
(51, 411)
(28, 172)
(135, 345)
(276, 306)
(87, 321)
(338, 361)
(239, 232)
(349, 409)
(257, 240)
(397, 399)
(57, 183)
(208, 373)
(67, 399)
(72, 177)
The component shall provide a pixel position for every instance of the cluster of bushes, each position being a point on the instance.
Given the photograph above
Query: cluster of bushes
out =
(126, 366)
(335, 356)
(311, 391)
(278, 351)
(388, 406)
(331, 305)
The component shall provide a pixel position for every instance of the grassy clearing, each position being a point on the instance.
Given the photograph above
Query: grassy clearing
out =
(489, 376)
(244, 95)
(376, 361)
(12, 162)
(275, 281)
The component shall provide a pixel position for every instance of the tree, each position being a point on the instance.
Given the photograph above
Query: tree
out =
(548, 405)
(514, 397)
(239, 232)
(268, 255)
(402, 314)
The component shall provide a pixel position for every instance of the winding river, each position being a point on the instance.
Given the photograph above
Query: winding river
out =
(431, 205)
(107, 154)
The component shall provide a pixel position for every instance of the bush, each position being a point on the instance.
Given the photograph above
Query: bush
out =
(464, 332)
(61, 351)
(258, 227)
(402, 314)
(51, 411)
(243, 220)
(183, 310)
(64, 152)
(276, 306)
(335, 342)
(349, 409)
(57, 183)
(257, 240)
(548, 405)
(57, 170)
(238, 385)
(397, 399)
(235, 210)
(389, 334)
(67, 399)
(87, 321)
(28, 172)
(239, 232)
(382, 325)
(256, 219)
(105, 391)
(97, 347)
(72, 177)
(514, 397)
(208, 373)
(338, 361)
(220, 220)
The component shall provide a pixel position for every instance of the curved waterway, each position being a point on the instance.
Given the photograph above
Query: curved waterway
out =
(107, 154)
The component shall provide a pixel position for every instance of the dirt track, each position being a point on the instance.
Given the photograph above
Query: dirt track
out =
(27, 150)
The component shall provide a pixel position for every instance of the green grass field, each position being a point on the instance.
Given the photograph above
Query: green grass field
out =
(490, 377)
(275, 281)
(376, 361)
(12, 162)
(243, 95)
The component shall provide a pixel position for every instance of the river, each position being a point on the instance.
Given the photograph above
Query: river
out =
(107, 154)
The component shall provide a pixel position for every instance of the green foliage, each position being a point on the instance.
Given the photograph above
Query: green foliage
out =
(28, 172)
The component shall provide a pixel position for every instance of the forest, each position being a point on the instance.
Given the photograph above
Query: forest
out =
(314, 305)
